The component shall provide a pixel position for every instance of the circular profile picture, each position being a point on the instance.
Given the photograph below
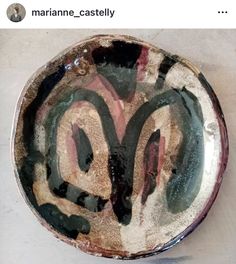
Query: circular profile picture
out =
(16, 12)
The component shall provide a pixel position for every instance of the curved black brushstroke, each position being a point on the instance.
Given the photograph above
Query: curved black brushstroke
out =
(118, 64)
(56, 183)
(30, 113)
(26, 173)
(70, 226)
(185, 181)
(165, 66)
(134, 128)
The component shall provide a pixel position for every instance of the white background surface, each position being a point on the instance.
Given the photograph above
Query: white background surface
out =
(22, 239)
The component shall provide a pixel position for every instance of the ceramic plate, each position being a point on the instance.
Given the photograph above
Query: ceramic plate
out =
(119, 147)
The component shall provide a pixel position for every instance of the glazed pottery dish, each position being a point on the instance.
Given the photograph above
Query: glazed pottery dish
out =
(119, 147)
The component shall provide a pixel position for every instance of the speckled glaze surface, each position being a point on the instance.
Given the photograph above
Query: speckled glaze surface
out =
(119, 147)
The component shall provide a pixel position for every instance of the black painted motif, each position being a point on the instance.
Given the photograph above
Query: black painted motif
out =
(118, 64)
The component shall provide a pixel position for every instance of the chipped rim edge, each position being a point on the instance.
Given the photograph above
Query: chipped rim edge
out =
(222, 160)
